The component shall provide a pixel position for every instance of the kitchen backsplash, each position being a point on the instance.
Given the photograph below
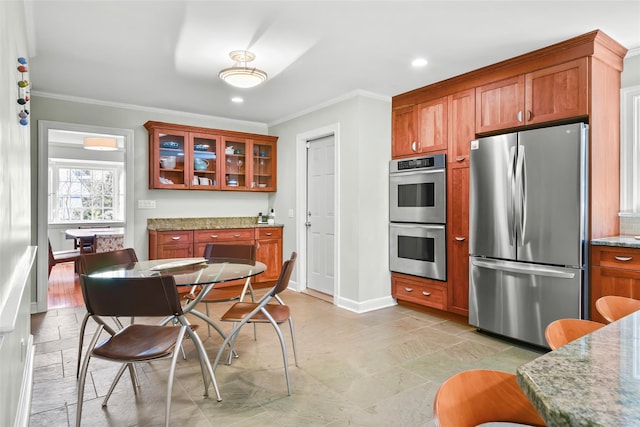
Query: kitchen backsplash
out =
(630, 225)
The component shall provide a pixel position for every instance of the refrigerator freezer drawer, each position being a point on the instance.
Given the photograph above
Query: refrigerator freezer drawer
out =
(519, 300)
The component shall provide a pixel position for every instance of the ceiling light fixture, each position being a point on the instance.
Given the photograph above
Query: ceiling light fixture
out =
(240, 75)
(237, 100)
(100, 144)
(419, 62)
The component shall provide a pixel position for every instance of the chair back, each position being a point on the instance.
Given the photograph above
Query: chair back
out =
(613, 307)
(155, 296)
(238, 251)
(563, 331)
(107, 242)
(92, 262)
(285, 275)
(476, 397)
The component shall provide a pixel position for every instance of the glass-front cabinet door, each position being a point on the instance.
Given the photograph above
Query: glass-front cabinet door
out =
(172, 155)
(263, 176)
(234, 174)
(205, 155)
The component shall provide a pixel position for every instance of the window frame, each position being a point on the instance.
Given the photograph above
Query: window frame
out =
(630, 151)
(118, 170)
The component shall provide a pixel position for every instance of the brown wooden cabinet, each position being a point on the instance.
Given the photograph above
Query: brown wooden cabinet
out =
(614, 271)
(194, 158)
(575, 80)
(430, 293)
(420, 129)
(191, 243)
(545, 95)
(269, 252)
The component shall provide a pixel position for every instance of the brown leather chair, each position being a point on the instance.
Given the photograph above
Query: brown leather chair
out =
(60, 257)
(155, 296)
(613, 307)
(221, 292)
(474, 397)
(563, 331)
(263, 312)
(91, 262)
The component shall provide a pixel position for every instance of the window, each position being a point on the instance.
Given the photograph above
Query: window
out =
(630, 151)
(85, 191)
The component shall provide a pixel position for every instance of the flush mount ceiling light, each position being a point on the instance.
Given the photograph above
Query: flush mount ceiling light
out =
(100, 144)
(240, 75)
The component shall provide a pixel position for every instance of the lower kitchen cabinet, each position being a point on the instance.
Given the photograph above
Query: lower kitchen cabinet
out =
(269, 252)
(427, 292)
(171, 244)
(614, 271)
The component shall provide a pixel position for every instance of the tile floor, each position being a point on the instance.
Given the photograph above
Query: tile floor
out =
(373, 369)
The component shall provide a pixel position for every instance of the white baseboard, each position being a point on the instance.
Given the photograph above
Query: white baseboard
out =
(365, 306)
(24, 403)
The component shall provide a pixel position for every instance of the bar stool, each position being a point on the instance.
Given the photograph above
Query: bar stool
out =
(563, 331)
(613, 307)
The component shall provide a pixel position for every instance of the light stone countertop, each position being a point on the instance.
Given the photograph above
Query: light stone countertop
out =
(618, 241)
(170, 224)
(592, 381)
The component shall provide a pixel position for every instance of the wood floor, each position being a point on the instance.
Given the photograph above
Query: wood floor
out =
(64, 287)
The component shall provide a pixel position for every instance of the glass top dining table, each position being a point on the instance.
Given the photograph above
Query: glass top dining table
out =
(187, 271)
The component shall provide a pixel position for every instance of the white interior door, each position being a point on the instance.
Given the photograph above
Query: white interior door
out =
(321, 214)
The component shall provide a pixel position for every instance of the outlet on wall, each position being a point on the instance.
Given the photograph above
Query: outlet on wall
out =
(290, 213)
(146, 204)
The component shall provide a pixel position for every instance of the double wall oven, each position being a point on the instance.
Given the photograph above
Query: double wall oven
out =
(417, 215)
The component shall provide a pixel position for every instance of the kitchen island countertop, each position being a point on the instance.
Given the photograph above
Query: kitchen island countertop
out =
(210, 223)
(618, 241)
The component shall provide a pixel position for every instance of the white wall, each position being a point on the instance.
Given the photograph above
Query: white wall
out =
(364, 153)
(16, 349)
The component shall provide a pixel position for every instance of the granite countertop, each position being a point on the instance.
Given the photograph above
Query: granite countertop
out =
(592, 381)
(169, 224)
(619, 241)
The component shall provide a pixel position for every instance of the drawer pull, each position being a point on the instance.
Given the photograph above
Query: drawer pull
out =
(460, 239)
(460, 159)
(408, 289)
(175, 237)
(268, 234)
(624, 258)
(236, 235)
(426, 294)
(214, 236)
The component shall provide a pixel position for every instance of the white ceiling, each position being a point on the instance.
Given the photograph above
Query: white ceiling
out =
(167, 54)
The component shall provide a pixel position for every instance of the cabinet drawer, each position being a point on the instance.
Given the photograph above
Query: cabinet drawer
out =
(429, 295)
(609, 256)
(268, 233)
(169, 237)
(227, 235)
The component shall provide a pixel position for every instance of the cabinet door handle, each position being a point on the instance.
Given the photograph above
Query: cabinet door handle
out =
(520, 115)
(624, 258)
(460, 239)
(214, 236)
(460, 159)
(529, 115)
(175, 237)
(268, 234)
(408, 289)
(236, 235)
(414, 146)
(426, 294)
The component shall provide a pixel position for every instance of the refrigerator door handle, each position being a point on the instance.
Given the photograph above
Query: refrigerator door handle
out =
(514, 267)
(511, 194)
(521, 176)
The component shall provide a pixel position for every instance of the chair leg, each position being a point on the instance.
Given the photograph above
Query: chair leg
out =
(206, 306)
(115, 381)
(203, 358)
(284, 349)
(83, 374)
(172, 371)
(293, 341)
(210, 322)
(83, 326)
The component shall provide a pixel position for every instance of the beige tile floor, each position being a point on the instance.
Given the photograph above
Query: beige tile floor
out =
(374, 369)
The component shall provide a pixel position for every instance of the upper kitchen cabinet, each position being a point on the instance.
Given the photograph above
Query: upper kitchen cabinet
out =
(545, 95)
(194, 158)
(462, 109)
(419, 129)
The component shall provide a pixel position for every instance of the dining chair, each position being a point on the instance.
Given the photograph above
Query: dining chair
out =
(474, 397)
(154, 296)
(563, 331)
(613, 307)
(221, 292)
(107, 242)
(60, 257)
(91, 262)
(263, 312)
(86, 244)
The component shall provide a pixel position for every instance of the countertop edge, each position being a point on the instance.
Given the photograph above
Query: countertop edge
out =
(221, 223)
(622, 241)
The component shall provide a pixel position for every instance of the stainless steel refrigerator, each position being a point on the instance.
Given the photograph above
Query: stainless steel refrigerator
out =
(527, 230)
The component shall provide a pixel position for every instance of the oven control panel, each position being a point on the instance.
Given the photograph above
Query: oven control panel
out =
(437, 161)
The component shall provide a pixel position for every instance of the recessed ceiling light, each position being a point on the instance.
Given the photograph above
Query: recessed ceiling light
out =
(419, 62)
(237, 100)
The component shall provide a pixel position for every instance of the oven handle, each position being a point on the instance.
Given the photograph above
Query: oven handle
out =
(408, 173)
(413, 225)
